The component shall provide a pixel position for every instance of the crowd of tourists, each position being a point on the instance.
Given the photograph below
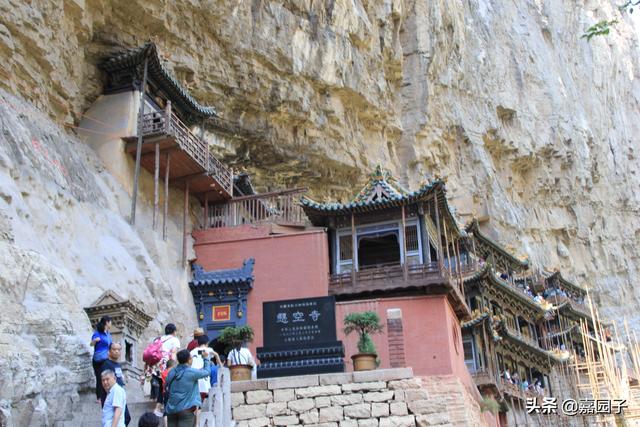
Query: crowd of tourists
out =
(180, 379)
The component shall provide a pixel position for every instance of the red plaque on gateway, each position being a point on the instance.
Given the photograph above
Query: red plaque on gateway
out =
(221, 313)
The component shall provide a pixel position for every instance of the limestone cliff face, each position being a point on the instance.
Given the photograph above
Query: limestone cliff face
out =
(64, 240)
(530, 125)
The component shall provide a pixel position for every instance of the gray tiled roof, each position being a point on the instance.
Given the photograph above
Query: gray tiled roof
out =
(133, 59)
(221, 277)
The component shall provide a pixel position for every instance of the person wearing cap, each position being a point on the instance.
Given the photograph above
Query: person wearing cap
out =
(197, 332)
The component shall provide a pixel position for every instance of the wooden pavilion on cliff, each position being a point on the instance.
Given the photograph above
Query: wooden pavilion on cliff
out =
(522, 323)
(164, 143)
(389, 241)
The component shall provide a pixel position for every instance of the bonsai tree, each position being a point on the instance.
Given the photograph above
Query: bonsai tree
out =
(365, 323)
(234, 336)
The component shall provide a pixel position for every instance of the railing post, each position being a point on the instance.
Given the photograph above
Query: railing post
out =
(167, 118)
(226, 397)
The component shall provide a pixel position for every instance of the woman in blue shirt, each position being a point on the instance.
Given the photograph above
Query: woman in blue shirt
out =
(100, 341)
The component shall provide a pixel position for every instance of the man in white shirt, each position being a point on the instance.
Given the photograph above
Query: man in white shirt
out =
(242, 356)
(114, 404)
(197, 362)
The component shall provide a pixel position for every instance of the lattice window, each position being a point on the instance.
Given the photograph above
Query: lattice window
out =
(346, 245)
(411, 234)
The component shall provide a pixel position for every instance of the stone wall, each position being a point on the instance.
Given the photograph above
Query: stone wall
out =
(381, 398)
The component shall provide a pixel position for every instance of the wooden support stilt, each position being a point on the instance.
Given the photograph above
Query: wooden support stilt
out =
(404, 246)
(136, 176)
(156, 185)
(185, 213)
(166, 197)
(205, 221)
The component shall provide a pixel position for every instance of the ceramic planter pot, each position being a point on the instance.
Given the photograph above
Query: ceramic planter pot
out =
(240, 372)
(364, 361)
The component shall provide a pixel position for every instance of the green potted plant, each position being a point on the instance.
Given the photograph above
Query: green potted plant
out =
(234, 337)
(365, 323)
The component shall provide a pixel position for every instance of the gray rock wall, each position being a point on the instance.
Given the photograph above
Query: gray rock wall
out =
(65, 240)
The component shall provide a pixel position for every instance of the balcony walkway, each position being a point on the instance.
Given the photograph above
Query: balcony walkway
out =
(188, 156)
(429, 278)
(277, 207)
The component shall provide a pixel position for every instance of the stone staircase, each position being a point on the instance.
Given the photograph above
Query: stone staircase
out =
(88, 413)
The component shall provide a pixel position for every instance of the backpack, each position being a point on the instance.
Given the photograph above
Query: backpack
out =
(153, 353)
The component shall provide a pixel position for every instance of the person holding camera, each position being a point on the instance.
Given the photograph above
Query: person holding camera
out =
(183, 392)
(197, 362)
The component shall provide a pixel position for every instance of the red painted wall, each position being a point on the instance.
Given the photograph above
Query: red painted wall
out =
(432, 338)
(288, 266)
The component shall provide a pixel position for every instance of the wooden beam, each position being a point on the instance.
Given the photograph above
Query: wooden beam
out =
(166, 197)
(132, 146)
(185, 213)
(136, 176)
(189, 177)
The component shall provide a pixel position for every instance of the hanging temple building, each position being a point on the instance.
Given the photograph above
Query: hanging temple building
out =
(453, 301)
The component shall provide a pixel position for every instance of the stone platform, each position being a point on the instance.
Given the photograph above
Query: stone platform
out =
(381, 398)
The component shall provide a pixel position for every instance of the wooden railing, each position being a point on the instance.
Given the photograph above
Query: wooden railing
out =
(576, 305)
(516, 390)
(280, 207)
(531, 341)
(483, 377)
(156, 123)
(388, 273)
